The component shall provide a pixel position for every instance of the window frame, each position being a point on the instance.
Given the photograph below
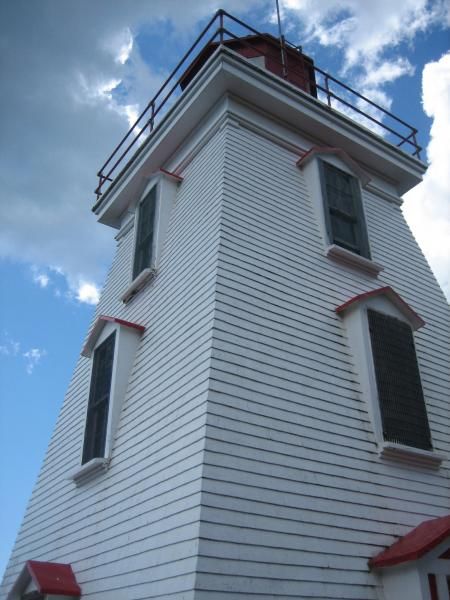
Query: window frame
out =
(311, 163)
(384, 388)
(166, 185)
(126, 339)
(355, 319)
(91, 429)
(153, 193)
(361, 234)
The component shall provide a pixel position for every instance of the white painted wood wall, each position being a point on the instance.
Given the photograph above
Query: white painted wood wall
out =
(295, 499)
(245, 464)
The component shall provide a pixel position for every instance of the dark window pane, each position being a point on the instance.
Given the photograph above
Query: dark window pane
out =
(144, 235)
(400, 394)
(343, 210)
(97, 413)
(344, 232)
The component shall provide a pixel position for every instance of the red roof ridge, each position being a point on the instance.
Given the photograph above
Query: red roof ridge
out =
(98, 328)
(342, 154)
(415, 320)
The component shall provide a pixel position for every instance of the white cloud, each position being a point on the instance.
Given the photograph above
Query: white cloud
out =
(40, 278)
(388, 71)
(120, 45)
(88, 293)
(63, 70)
(427, 207)
(364, 30)
(33, 358)
(9, 347)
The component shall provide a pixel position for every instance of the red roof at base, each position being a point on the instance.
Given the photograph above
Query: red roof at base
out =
(414, 544)
(54, 578)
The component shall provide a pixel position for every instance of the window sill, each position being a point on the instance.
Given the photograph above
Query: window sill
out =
(137, 284)
(89, 470)
(410, 455)
(355, 260)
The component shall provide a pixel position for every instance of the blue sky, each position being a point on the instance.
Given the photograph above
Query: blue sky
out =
(77, 73)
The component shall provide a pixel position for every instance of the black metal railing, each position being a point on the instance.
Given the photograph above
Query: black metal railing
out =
(334, 93)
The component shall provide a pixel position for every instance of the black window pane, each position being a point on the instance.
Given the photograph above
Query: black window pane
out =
(402, 405)
(144, 235)
(344, 232)
(343, 210)
(97, 413)
(340, 190)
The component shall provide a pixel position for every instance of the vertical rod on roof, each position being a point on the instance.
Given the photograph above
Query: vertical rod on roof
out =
(221, 26)
(282, 44)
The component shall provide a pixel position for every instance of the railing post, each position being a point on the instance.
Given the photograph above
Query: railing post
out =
(327, 87)
(416, 145)
(221, 27)
(152, 116)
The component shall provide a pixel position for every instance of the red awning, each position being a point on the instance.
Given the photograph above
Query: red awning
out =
(414, 544)
(53, 578)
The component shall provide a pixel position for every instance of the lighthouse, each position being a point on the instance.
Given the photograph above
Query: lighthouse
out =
(260, 409)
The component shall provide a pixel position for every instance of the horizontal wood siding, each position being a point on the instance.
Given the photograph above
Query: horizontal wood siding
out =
(295, 499)
(132, 533)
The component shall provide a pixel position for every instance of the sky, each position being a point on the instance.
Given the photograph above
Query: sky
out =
(75, 74)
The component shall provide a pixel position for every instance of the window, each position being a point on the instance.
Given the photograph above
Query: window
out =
(143, 252)
(343, 211)
(334, 183)
(379, 326)
(111, 347)
(98, 405)
(400, 396)
(151, 222)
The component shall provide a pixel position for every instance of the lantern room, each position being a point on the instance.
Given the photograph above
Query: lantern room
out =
(265, 51)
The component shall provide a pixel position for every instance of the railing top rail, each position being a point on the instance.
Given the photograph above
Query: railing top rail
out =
(157, 103)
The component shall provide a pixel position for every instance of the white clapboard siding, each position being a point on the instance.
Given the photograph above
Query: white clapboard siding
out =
(295, 499)
(132, 532)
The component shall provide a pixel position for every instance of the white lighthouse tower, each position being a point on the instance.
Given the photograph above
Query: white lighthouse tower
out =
(261, 407)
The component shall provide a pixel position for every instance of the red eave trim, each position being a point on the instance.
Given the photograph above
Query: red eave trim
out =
(414, 544)
(140, 328)
(411, 314)
(98, 327)
(54, 578)
(174, 175)
(342, 154)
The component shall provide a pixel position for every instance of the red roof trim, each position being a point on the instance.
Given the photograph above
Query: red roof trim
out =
(342, 154)
(174, 175)
(98, 328)
(414, 544)
(395, 298)
(54, 578)
(122, 322)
